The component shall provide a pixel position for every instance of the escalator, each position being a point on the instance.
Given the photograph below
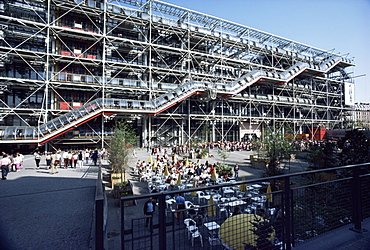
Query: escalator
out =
(62, 124)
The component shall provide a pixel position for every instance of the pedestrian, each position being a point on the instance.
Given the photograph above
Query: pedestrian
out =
(80, 159)
(149, 208)
(17, 161)
(58, 159)
(48, 160)
(236, 171)
(180, 205)
(94, 157)
(87, 156)
(69, 157)
(54, 163)
(12, 165)
(65, 159)
(5, 162)
(74, 159)
(37, 159)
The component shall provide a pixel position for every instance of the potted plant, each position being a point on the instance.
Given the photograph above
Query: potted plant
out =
(115, 178)
(121, 148)
(204, 153)
(224, 170)
(121, 187)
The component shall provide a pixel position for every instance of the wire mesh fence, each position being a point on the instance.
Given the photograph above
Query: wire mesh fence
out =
(268, 213)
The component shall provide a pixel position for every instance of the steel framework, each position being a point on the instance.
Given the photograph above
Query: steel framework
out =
(69, 69)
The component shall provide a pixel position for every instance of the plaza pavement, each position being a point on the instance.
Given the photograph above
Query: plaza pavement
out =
(40, 210)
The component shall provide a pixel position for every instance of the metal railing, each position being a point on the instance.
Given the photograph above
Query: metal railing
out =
(278, 212)
(99, 233)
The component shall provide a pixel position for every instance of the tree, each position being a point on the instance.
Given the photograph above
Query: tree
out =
(276, 147)
(223, 154)
(355, 148)
(121, 147)
(323, 157)
(206, 131)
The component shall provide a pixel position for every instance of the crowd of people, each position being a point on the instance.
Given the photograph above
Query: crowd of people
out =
(11, 162)
(53, 160)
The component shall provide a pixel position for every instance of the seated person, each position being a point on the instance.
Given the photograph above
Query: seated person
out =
(191, 212)
(236, 211)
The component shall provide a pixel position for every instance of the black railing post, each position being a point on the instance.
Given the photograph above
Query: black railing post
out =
(100, 221)
(356, 200)
(122, 205)
(287, 241)
(162, 222)
(99, 224)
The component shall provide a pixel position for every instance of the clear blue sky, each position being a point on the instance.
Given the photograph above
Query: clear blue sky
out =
(343, 25)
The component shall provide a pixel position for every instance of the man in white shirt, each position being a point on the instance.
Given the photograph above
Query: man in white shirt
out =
(65, 159)
(5, 163)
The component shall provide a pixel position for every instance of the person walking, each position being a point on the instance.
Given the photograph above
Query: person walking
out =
(37, 159)
(236, 171)
(95, 157)
(69, 157)
(54, 163)
(17, 161)
(48, 160)
(74, 159)
(87, 156)
(5, 162)
(149, 208)
(58, 159)
(65, 159)
(80, 161)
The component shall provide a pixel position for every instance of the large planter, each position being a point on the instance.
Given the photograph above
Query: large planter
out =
(119, 189)
(258, 164)
(115, 178)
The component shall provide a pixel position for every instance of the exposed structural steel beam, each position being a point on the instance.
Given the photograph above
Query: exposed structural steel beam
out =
(139, 61)
(165, 101)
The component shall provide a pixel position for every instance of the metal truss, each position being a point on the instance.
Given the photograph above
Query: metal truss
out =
(177, 74)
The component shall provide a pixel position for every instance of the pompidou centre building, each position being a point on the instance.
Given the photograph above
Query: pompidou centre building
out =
(70, 69)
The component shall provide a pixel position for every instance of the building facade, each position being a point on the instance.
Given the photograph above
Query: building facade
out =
(361, 115)
(70, 69)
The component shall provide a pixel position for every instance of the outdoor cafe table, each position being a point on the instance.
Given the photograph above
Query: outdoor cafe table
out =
(212, 225)
(228, 191)
(260, 199)
(189, 185)
(256, 186)
(235, 203)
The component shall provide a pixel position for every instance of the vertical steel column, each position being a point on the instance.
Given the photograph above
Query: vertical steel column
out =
(222, 120)
(149, 132)
(104, 69)
(144, 131)
(122, 224)
(189, 120)
(162, 221)
(287, 222)
(356, 200)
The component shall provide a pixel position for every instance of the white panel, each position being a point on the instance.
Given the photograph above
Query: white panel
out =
(349, 93)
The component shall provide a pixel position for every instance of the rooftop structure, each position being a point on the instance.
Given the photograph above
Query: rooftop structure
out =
(70, 69)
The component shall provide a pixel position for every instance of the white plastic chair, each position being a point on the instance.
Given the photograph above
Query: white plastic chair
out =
(191, 226)
(194, 235)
